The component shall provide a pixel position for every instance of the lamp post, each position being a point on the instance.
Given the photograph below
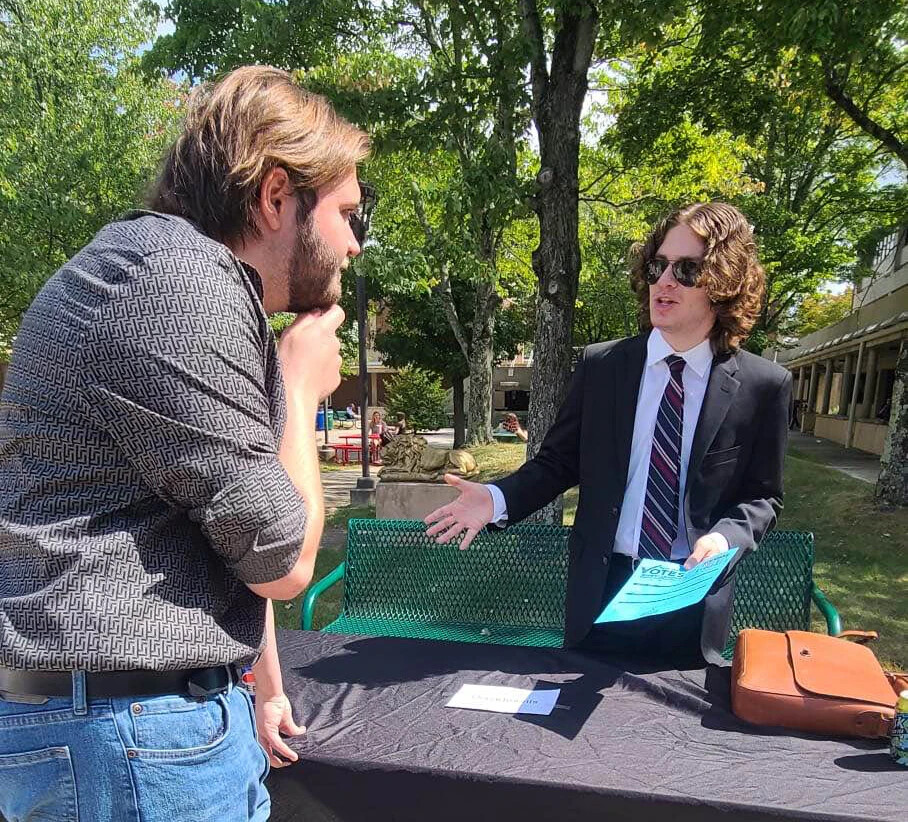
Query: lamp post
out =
(364, 492)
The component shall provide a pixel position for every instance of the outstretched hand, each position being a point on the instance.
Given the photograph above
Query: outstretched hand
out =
(468, 514)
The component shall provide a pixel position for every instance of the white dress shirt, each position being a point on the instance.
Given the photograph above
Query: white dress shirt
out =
(698, 363)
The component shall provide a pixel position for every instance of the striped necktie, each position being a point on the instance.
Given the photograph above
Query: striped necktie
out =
(660, 508)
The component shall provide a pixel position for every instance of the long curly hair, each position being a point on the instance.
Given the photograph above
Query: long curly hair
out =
(731, 272)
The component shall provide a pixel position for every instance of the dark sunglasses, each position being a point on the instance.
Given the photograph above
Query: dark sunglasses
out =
(685, 271)
(358, 227)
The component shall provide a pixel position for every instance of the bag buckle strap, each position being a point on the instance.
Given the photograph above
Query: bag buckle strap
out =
(860, 637)
(872, 724)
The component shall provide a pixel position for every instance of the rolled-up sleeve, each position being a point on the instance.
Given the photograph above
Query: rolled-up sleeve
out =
(258, 522)
(175, 368)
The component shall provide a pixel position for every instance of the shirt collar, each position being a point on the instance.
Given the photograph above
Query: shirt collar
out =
(254, 277)
(699, 358)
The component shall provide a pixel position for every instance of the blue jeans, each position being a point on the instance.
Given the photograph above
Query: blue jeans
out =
(148, 759)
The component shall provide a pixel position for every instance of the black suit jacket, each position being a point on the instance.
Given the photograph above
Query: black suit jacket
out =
(734, 478)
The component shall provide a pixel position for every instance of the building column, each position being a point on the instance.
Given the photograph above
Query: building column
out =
(802, 373)
(845, 391)
(877, 393)
(853, 402)
(373, 388)
(811, 407)
(827, 386)
(869, 386)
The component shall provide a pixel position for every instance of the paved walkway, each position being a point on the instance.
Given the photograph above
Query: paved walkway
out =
(857, 464)
(337, 483)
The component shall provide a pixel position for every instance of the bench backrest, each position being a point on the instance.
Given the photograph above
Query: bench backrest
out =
(773, 586)
(518, 577)
(513, 577)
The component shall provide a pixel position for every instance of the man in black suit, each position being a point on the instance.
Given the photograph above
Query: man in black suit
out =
(676, 438)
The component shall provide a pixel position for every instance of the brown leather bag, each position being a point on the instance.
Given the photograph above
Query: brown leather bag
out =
(811, 682)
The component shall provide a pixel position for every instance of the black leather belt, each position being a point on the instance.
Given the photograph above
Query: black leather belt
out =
(628, 561)
(623, 559)
(199, 682)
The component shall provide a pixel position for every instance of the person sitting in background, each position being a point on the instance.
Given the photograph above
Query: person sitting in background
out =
(379, 428)
(512, 424)
(402, 427)
(353, 411)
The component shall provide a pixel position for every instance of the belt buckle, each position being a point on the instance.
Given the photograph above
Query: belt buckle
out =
(199, 689)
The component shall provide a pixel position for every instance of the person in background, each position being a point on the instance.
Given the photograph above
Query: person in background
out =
(377, 426)
(676, 438)
(512, 424)
(160, 470)
(353, 411)
(401, 426)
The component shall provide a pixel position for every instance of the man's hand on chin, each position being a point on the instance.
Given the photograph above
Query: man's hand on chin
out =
(709, 545)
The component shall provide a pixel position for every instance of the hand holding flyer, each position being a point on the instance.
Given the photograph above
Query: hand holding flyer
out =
(658, 587)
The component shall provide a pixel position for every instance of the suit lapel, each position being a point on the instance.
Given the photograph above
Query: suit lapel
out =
(720, 391)
(628, 373)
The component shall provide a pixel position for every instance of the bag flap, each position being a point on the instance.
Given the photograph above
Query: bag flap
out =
(761, 663)
(837, 668)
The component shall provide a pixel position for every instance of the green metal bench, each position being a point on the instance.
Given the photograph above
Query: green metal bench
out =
(344, 420)
(509, 587)
(774, 588)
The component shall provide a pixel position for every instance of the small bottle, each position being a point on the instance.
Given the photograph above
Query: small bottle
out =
(898, 743)
(247, 680)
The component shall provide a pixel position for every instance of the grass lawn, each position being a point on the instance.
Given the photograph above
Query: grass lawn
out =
(861, 553)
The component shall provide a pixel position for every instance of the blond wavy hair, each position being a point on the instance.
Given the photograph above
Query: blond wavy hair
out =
(238, 129)
(731, 272)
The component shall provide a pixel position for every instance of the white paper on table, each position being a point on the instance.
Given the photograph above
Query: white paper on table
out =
(505, 700)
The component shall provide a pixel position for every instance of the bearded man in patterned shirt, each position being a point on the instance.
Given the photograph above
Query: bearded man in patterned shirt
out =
(159, 471)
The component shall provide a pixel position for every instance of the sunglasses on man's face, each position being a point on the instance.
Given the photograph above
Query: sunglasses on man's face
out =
(358, 227)
(685, 271)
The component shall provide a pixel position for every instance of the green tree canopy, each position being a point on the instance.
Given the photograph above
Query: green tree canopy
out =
(419, 397)
(81, 131)
(817, 179)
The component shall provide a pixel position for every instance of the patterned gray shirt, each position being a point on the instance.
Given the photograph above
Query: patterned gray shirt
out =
(140, 487)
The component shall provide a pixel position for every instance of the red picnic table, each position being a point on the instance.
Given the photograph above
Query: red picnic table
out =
(353, 445)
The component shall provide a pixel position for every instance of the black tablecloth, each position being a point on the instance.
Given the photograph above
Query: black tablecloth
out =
(623, 743)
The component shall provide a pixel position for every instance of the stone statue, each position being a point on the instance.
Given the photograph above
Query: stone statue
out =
(408, 458)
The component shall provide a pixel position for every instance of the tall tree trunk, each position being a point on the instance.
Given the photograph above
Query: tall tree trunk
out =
(557, 105)
(892, 486)
(459, 417)
(479, 416)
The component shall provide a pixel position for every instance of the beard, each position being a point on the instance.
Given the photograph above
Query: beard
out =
(313, 273)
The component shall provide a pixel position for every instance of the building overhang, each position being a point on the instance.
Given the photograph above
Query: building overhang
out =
(892, 328)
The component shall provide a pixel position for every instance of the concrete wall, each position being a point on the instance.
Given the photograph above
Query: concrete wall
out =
(411, 500)
(831, 428)
(870, 436)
